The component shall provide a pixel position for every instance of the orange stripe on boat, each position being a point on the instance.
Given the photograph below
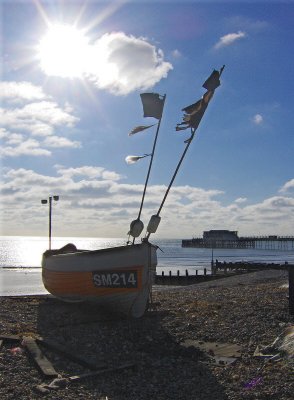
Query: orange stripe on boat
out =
(81, 283)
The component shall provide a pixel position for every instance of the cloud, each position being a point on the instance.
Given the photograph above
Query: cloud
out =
(129, 64)
(287, 186)
(56, 141)
(229, 39)
(97, 202)
(176, 53)
(88, 171)
(18, 91)
(240, 200)
(29, 147)
(27, 113)
(257, 119)
(121, 64)
(43, 112)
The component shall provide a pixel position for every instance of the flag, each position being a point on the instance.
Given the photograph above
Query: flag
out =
(152, 104)
(213, 81)
(140, 128)
(134, 159)
(194, 112)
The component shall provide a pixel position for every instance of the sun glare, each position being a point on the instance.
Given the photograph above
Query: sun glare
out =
(64, 51)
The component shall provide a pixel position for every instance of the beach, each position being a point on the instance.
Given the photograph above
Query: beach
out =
(157, 356)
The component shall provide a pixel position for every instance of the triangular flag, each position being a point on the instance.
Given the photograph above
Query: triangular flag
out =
(134, 159)
(140, 128)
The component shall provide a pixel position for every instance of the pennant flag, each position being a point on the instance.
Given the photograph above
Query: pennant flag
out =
(195, 112)
(152, 104)
(134, 159)
(140, 128)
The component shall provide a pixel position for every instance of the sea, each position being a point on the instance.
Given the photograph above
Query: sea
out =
(20, 258)
(25, 252)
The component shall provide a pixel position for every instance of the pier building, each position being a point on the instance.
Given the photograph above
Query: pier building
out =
(225, 239)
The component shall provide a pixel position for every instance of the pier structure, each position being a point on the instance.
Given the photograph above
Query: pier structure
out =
(224, 239)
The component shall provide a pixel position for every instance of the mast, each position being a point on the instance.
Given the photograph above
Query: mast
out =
(151, 161)
(192, 119)
(153, 107)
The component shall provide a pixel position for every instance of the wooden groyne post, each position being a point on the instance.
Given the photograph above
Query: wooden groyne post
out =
(291, 289)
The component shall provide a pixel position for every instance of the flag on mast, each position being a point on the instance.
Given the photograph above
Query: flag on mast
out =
(194, 112)
(134, 159)
(140, 128)
(152, 104)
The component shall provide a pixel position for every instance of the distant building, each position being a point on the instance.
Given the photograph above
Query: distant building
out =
(220, 235)
(225, 239)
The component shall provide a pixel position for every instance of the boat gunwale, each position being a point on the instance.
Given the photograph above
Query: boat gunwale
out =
(80, 252)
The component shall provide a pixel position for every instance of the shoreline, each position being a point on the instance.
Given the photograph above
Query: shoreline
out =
(247, 310)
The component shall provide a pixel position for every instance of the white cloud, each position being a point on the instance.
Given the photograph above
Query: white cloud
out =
(21, 91)
(287, 186)
(229, 39)
(88, 171)
(32, 114)
(257, 119)
(121, 64)
(46, 112)
(95, 202)
(29, 147)
(56, 141)
(240, 200)
(116, 62)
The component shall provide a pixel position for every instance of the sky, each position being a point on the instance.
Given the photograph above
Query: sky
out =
(71, 77)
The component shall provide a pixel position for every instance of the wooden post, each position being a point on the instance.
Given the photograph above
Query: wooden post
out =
(291, 289)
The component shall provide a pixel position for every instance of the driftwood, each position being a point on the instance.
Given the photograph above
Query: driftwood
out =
(69, 354)
(76, 378)
(43, 364)
(10, 338)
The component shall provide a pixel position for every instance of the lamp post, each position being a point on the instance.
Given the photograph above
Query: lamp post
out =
(55, 198)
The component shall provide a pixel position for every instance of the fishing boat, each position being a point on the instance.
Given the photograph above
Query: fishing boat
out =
(121, 278)
(118, 278)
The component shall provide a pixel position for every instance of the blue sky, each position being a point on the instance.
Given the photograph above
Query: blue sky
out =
(68, 105)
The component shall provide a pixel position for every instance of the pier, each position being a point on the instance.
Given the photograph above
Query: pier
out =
(231, 240)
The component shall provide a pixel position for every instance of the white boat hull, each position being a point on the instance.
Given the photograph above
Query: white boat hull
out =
(119, 278)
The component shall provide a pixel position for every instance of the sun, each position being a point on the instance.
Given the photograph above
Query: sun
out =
(64, 51)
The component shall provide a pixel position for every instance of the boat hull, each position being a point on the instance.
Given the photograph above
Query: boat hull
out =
(118, 278)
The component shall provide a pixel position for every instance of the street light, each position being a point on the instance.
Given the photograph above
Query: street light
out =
(55, 198)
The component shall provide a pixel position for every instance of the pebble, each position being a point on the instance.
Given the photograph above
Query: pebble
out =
(247, 310)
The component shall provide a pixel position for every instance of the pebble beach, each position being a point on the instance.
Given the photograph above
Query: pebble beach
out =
(157, 356)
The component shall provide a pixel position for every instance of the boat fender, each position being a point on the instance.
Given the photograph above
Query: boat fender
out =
(153, 224)
(136, 228)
